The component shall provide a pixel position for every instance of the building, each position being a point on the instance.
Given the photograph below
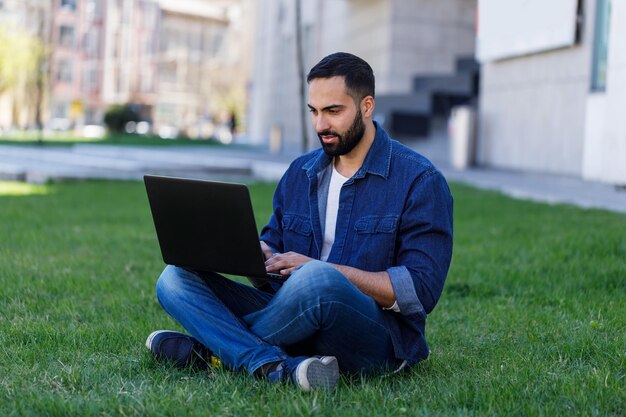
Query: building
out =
(203, 65)
(552, 89)
(168, 58)
(127, 41)
(92, 54)
(156, 55)
(401, 39)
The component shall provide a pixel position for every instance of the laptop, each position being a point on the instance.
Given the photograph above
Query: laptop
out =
(207, 226)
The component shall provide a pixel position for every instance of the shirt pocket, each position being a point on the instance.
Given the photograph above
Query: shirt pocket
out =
(374, 242)
(297, 234)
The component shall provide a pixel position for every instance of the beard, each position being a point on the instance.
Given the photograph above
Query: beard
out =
(346, 141)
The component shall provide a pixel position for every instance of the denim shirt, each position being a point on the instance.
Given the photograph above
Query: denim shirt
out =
(395, 215)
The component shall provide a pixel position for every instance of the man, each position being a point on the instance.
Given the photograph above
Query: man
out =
(363, 230)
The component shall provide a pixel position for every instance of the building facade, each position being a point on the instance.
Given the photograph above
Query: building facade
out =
(203, 64)
(555, 106)
(165, 57)
(103, 52)
(604, 147)
(400, 39)
(128, 44)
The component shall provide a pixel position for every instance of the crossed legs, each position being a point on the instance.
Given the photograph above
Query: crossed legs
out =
(317, 311)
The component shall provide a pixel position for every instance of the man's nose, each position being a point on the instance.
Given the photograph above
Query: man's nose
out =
(321, 123)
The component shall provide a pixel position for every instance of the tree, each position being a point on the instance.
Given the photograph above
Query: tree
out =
(21, 58)
(301, 77)
(117, 116)
(42, 55)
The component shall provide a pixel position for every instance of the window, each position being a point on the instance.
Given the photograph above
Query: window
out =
(92, 9)
(195, 40)
(600, 45)
(147, 80)
(117, 45)
(66, 36)
(64, 73)
(61, 110)
(90, 79)
(68, 4)
(147, 47)
(91, 116)
(170, 42)
(176, 40)
(123, 80)
(163, 43)
(214, 40)
(149, 14)
(168, 72)
(90, 43)
(127, 10)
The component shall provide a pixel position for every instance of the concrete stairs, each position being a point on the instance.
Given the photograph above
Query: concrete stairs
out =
(432, 97)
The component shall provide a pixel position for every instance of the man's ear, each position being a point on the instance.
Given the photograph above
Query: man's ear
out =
(367, 106)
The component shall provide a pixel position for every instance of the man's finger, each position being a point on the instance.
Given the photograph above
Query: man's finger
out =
(272, 261)
(275, 265)
(267, 251)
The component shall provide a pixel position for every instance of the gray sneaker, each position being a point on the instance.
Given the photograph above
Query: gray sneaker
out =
(317, 372)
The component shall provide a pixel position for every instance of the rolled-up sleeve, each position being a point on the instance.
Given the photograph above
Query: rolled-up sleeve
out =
(424, 248)
(404, 290)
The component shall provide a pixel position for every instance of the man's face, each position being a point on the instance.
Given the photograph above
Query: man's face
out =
(336, 118)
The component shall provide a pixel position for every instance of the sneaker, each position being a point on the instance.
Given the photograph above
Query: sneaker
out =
(318, 372)
(181, 349)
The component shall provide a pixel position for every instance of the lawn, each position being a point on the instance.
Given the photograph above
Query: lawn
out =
(532, 320)
(65, 139)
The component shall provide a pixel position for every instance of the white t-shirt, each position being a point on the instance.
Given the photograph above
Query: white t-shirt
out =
(332, 208)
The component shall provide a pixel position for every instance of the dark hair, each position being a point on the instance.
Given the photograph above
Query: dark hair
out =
(357, 73)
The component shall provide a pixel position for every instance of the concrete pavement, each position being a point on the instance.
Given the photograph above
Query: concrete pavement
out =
(40, 164)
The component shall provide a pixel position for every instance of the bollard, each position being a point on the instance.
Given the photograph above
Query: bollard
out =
(462, 130)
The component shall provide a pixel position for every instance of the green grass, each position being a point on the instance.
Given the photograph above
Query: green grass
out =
(64, 139)
(532, 320)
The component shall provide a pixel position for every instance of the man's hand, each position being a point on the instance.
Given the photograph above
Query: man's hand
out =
(286, 263)
(267, 252)
(375, 284)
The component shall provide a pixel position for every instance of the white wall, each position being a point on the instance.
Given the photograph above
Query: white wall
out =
(361, 27)
(356, 26)
(605, 134)
(274, 88)
(521, 27)
(532, 108)
(398, 38)
(426, 38)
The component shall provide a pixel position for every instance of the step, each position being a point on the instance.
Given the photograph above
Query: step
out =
(466, 84)
(467, 65)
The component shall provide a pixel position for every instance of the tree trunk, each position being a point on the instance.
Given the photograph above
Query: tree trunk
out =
(301, 77)
(42, 58)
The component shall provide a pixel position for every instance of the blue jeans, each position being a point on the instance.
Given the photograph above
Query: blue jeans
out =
(317, 311)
